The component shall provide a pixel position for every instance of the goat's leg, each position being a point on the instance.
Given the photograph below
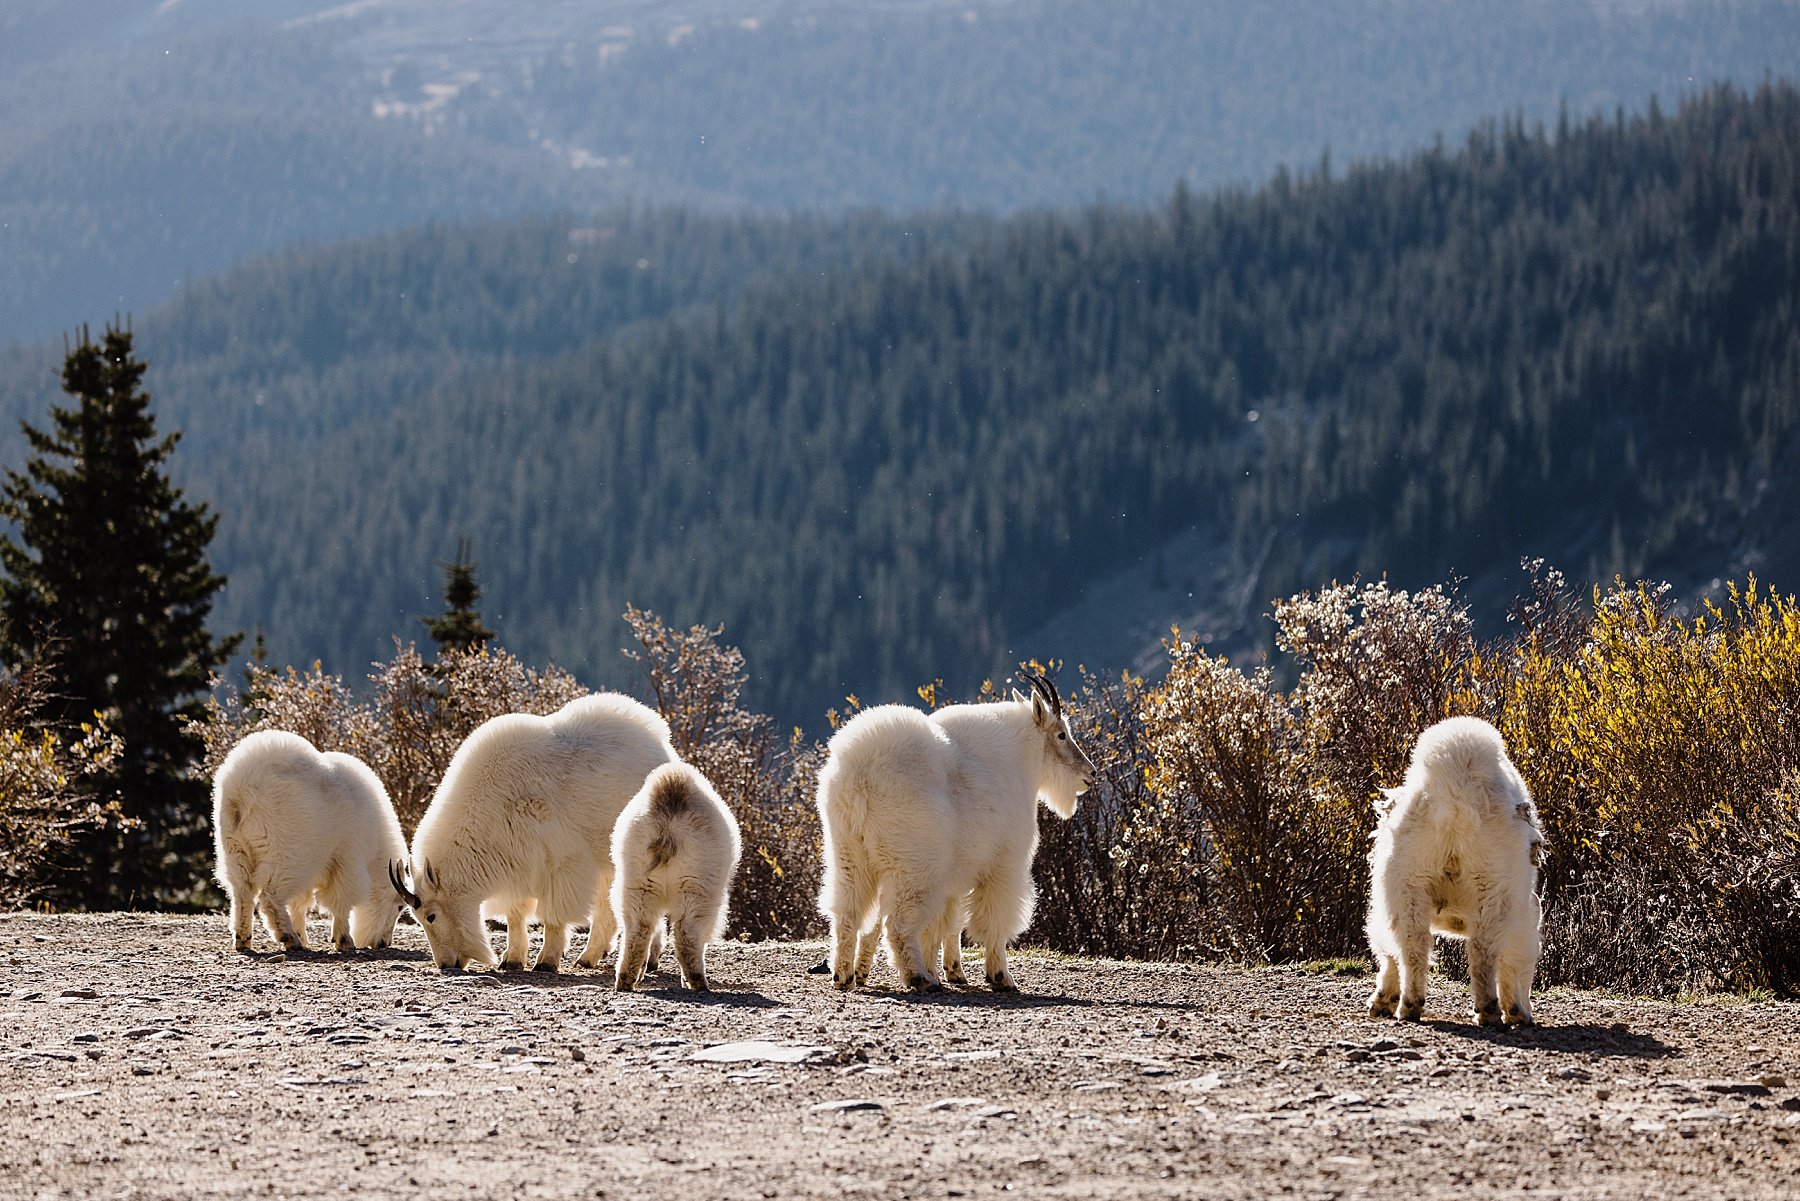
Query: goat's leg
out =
(999, 908)
(297, 918)
(634, 945)
(950, 936)
(556, 941)
(1415, 962)
(690, 931)
(1386, 997)
(518, 939)
(280, 923)
(905, 928)
(1484, 992)
(847, 900)
(866, 945)
(653, 957)
(340, 928)
(243, 907)
(602, 924)
(1518, 965)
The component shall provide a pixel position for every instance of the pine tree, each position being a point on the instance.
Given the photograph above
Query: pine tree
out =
(459, 626)
(107, 563)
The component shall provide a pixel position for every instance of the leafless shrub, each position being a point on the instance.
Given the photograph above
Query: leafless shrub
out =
(419, 714)
(426, 710)
(1129, 874)
(765, 779)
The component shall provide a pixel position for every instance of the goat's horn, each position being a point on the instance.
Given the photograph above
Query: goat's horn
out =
(1044, 688)
(399, 883)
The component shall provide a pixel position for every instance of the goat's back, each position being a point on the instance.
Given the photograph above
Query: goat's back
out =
(1463, 801)
(277, 797)
(886, 767)
(1462, 761)
(524, 789)
(676, 832)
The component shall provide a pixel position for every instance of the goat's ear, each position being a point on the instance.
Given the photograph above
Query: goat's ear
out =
(1017, 695)
(1039, 713)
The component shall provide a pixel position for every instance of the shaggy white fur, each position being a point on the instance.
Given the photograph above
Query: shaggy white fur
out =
(1457, 853)
(291, 826)
(523, 821)
(930, 823)
(676, 851)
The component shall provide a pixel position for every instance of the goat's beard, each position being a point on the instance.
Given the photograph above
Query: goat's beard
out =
(1061, 795)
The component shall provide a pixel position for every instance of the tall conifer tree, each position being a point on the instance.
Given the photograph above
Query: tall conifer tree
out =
(107, 562)
(459, 626)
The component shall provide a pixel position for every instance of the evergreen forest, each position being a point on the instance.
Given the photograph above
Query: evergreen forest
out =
(881, 450)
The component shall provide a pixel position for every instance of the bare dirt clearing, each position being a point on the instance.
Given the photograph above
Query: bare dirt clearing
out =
(141, 1057)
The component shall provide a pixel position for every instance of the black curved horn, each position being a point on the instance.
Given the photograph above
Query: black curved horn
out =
(1043, 686)
(399, 883)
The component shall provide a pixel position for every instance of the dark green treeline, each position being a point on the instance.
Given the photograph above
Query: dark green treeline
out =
(1578, 342)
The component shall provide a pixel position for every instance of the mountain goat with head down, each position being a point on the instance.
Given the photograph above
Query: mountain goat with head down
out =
(292, 825)
(675, 851)
(1457, 853)
(522, 822)
(931, 821)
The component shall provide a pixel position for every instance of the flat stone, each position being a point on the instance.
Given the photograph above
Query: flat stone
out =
(955, 1103)
(759, 1051)
(851, 1105)
(1735, 1088)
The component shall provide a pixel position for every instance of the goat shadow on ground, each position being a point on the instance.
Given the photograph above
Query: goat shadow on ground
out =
(721, 996)
(1574, 1038)
(974, 996)
(329, 954)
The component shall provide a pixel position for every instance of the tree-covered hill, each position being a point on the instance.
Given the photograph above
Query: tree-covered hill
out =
(147, 143)
(1578, 343)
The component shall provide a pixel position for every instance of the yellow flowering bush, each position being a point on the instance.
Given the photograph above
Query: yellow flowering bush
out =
(1664, 754)
(46, 802)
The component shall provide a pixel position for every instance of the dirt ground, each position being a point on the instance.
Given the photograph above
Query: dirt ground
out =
(141, 1057)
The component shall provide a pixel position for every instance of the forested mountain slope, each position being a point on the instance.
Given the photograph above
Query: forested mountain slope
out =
(1580, 343)
(149, 143)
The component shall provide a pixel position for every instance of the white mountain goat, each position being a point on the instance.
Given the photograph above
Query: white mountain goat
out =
(523, 821)
(292, 825)
(931, 821)
(1457, 853)
(675, 850)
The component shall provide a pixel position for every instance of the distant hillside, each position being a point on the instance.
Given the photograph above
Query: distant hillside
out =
(892, 464)
(149, 143)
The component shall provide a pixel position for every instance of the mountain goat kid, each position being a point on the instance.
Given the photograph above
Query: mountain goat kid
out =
(1457, 853)
(932, 820)
(291, 825)
(523, 821)
(675, 850)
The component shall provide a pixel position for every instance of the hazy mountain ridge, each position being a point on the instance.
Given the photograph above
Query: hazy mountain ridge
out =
(151, 143)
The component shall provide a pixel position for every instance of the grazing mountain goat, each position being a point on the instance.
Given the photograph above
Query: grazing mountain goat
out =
(291, 825)
(931, 821)
(675, 850)
(523, 821)
(1457, 853)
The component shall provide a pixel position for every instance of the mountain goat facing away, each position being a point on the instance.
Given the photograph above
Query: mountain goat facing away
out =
(1457, 853)
(931, 820)
(675, 852)
(291, 824)
(523, 821)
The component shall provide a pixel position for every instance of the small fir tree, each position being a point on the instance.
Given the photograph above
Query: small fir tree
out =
(108, 561)
(459, 627)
